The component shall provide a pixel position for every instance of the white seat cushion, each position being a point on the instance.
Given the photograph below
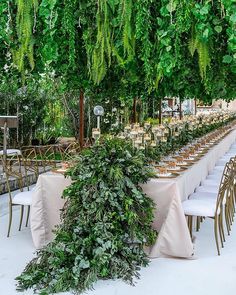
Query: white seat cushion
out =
(207, 188)
(23, 198)
(218, 169)
(215, 177)
(223, 161)
(215, 173)
(199, 208)
(203, 195)
(210, 182)
(230, 153)
(11, 152)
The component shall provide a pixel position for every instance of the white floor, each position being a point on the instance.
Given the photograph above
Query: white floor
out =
(209, 274)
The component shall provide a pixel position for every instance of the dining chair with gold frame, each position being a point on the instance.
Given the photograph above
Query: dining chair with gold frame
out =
(212, 209)
(13, 171)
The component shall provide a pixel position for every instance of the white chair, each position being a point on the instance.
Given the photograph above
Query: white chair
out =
(216, 177)
(211, 182)
(210, 205)
(203, 196)
(207, 188)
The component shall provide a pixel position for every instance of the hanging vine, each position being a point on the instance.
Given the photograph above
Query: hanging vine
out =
(69, 27)
(102, 53)
(202, 49)
(25, 25)
(126, 20)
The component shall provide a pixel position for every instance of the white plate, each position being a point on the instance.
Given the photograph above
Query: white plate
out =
(164, 174)
(174, 168)
(182, 163)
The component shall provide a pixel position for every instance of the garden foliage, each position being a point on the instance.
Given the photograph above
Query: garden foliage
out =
(106, 223)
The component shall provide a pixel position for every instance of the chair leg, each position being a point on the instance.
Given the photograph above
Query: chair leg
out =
(27, 219)
(229, 212)
(227, 221)
(222, 225)
(220, 232)
(198, 223)
(10, 220)
(232, 207)
(190, 224)
(21, 216)
(216, 234)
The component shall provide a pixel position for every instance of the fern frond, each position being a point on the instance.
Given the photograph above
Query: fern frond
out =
(204, 58)
(192, 46)
(202, 48)
(26, 10)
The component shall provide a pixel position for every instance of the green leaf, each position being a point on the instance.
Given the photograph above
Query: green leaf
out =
(206, 33)
(233, 18)
(227, 59)
(171, 6)
(84, 264)
(218, 29)
(204, 10)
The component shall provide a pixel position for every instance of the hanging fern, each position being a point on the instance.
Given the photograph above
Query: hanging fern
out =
(202, 48)
(204, 58)
(101, 57)
(143, 30)
(126, 20)
(25, 22)
(69, 27)
(192, 46)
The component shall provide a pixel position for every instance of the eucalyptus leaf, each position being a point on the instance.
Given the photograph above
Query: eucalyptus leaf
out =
(227, 59)
(218, 29)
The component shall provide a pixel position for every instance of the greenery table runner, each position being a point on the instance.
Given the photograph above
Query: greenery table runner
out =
(106, 223)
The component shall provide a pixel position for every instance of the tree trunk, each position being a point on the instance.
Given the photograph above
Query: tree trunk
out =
(134, 119)
(160, 111)
(195, 106)
(81, 118)
(180, 109)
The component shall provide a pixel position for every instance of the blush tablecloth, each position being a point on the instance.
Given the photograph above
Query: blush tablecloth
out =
(173, 239)
(46, 206)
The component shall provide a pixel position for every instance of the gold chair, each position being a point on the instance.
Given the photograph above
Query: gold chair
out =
(13, 172)
(30, 160)
(212, 207)
(70, 151)
(47, 156)
(230, 204)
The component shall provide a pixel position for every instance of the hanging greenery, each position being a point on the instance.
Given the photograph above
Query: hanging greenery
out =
(25, 26)
(121, 50)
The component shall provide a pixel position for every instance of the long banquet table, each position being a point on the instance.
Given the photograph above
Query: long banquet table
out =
(173, 239)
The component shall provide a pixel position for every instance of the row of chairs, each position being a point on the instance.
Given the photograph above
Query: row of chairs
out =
(215, 198)
(48, 156)
(30, 162)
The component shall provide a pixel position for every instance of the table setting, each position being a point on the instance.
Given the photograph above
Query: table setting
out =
(167, 189)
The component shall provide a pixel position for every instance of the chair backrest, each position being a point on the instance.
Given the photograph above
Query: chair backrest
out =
(30, 160)
(228, 170)
(47, 155)
(29, 153)
(13, 171)
(70, 151)
(226, 184)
